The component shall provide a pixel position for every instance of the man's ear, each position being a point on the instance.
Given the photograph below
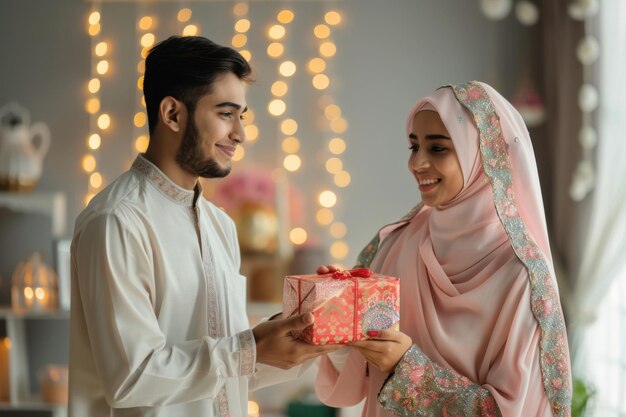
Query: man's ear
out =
(172, 114)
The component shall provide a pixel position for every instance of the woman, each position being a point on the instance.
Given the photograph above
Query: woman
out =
(482, 331)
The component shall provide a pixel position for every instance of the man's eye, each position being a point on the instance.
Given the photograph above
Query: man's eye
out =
(227, 114)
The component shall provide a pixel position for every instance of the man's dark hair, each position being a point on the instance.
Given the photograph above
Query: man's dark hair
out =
(185, 67)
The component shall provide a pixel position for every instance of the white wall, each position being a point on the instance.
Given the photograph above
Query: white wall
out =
(389, 53)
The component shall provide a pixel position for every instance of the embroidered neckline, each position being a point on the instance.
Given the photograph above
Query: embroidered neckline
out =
(163, 183)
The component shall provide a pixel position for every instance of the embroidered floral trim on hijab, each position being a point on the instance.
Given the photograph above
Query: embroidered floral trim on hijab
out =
(164, 184)
(420, 387)
(544, 297)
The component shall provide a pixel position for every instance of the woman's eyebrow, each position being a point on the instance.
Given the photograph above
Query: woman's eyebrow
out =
(431, 136)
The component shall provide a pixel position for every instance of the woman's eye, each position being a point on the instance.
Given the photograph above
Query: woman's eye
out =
(437, 149)
(227, 114)
(414, 148)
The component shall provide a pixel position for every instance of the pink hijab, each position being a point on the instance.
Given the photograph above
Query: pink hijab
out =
(479, 294)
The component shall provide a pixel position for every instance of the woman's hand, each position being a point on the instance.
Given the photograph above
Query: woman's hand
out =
(383, 348)
(326, 269)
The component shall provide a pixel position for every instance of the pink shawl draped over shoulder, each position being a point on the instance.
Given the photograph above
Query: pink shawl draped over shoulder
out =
(479, 295)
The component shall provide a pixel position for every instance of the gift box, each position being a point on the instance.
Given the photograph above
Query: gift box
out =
(346, 304)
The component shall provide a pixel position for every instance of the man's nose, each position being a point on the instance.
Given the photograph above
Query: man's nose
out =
(238, 134)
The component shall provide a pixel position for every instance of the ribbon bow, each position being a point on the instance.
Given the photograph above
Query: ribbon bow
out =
(352, 273)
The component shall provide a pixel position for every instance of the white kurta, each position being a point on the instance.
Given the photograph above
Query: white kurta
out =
(158, 319)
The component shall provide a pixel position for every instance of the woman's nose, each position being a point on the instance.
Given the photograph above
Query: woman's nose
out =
(419, 161)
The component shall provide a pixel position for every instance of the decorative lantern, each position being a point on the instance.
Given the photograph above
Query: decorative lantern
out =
(34, 286)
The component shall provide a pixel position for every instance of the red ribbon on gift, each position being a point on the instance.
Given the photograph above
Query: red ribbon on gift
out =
(354, 274)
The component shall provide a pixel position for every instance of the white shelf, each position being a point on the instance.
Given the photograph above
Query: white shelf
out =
(8, 313)
(55, 410)
(52, 204)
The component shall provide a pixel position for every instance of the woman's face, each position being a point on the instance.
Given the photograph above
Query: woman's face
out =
(433, 160)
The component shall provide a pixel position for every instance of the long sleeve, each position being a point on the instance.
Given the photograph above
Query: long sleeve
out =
(342, 378)
(266, 375)
(420, 387)
(137, 364)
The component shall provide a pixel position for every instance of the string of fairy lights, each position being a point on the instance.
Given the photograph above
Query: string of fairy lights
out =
(99, 121)
(332, 124)
(588, 53)
(277, 107)
(145, 37)
(239, 41)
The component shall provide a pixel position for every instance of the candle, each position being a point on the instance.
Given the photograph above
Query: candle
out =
(5, 348)
(53, 384)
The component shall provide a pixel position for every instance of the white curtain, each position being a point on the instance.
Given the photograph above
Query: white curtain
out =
(604, 256)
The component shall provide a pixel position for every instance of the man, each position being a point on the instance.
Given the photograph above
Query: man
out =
(158, 319)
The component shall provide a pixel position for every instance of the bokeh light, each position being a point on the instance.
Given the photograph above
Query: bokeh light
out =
(337, 146)
(141, 143)
(145, 23)
(292, 162)
(327, 198)
(279, 88)
(252, 132)
(239, 154)
(317, 65)
(339, 249)
(289, 127)
(338, 230)
(321, 81)
(328, 49)
(184, 15)
(290, 145)
(334, 165)
(342, 179)
(104, 121)
(276, 32)
(94, 141)
(285, 16)
(242, 25)
(324, 216)
(88, 163)
(94, 85)
(277, 107)
(287, 68)
(101, 49)
(321, 31)
(332, 18)
(275, 49)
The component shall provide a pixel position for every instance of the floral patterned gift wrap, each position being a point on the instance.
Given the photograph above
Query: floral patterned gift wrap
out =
(346, 304)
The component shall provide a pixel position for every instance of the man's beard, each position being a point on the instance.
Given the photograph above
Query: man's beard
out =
(189, 155)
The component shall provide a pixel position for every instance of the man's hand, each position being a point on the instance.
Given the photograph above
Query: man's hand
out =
(276, 346)
(383, 348)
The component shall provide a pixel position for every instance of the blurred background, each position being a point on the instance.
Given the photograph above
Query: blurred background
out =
(325, 164)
